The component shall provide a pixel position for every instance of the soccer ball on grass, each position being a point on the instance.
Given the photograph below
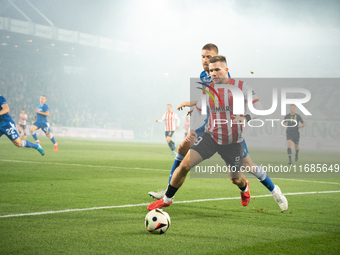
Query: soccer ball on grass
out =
(157, 221)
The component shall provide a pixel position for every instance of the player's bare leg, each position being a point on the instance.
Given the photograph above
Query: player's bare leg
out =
(262, 176)
(19, 143)
(289, 151)
(33, 129)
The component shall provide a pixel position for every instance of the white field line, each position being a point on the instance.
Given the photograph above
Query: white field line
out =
(145, 204)
(135, 168)
(67, 164)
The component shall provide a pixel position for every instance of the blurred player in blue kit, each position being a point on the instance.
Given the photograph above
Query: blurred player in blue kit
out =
(8, 128)
(42, 111)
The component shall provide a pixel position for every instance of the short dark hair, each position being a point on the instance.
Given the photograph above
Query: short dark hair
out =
(293, 105)
(218, 58)
(210, 46)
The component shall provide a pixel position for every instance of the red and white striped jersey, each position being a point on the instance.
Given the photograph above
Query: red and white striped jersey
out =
(22, 119)
(170, 121)
(220, 124)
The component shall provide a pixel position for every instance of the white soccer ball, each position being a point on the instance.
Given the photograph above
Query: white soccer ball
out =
(157, 221)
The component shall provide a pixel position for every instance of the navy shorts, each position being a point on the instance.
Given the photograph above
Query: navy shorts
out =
(8, 128)
(44, 126)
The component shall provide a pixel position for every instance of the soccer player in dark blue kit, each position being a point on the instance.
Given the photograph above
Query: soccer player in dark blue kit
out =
(43, 111)
(7, 127)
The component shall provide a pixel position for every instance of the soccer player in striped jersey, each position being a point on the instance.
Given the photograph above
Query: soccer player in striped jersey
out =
(43, 112)
(7, 127)
(22, 123)
(170, 119)
(227, 141)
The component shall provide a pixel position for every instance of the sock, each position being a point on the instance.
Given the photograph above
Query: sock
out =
(178, 160)
(243, 189)
(173, 146)
(170, 192)
(264, 178)
(35, 136)
(28, 144)
(296, 153)
(289, 151)
(170, 144)
(52, 139)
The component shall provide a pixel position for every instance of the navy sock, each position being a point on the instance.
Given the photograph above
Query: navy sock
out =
(267, 182)
(289, 151)
(28, 144)
(35, 136)
(262, 176)
(178, 160)
(170, 145)
(52, 139)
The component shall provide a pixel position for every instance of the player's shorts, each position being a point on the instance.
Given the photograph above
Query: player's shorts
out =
(44, 126)
(8, 128)
(169, 133)
(245, 149)
(294, 136)
(232, 154)
(23, 126)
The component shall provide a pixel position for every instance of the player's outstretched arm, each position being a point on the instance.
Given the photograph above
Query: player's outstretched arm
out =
(186, 104)
(42, 113)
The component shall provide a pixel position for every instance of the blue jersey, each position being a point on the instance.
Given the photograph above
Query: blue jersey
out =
(42, 108)
(3, 102)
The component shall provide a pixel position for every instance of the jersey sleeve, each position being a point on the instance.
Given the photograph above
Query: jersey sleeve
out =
(162, 119)
(255, 101)
(300, 119)
(2, 101)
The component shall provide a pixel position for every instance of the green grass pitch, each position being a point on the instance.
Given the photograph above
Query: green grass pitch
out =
(94, 173)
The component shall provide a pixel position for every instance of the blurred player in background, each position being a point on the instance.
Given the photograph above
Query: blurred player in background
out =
(42, 111)
(7, 127)
(292, 121)
(186, 126)
(170, 119)
(22, 123)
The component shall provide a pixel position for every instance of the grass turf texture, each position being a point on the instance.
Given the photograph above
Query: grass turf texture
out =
(311, 226)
